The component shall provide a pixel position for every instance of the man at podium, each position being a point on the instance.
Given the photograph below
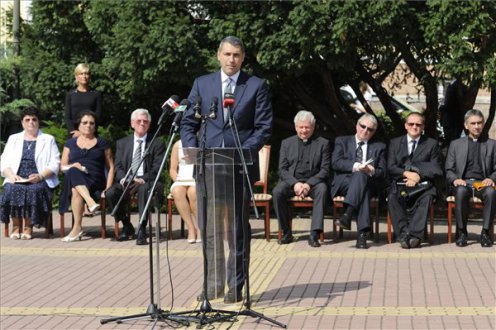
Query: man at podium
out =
(244, 99)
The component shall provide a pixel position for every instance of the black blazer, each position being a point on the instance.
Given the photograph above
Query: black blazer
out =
(426, 160)
(124, 158)
(320, 160)
(343, 158)
(456, 160)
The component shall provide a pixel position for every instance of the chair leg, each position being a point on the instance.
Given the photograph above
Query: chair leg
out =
(431, 222)
(103, 225)
(450, 218)
(267, 223)
(376, 234)
(116, 230)
(6, 230)
(389, 227)
(62, 225)
(334, 218)
(48, 225)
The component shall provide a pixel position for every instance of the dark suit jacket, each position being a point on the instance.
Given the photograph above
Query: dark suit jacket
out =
(456, 160)
(343, 158)
(320, 160)
(124, 158)
(425, 161)
(252, 113)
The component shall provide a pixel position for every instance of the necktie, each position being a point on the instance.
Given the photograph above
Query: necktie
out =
(359, 152)
(229, 89)
(413, 148)
(136, 157)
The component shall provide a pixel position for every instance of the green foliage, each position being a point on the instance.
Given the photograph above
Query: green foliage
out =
(57, 130)
(140, 52)
(466, 34)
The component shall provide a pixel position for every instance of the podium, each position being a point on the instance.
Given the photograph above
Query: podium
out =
(223, 210)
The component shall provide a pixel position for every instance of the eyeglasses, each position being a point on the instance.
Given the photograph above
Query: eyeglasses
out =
(370, 129)
(139, 121)
(415, 124)
(34, 120)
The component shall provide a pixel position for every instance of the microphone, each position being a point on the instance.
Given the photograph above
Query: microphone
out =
(171, 104)
(197, 107)
(228, 100)
(185, 104)
(168, 106)
(213, 108)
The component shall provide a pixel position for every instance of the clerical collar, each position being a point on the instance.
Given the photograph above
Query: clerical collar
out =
(307, 140)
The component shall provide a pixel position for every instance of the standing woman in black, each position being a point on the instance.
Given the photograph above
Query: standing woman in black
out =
(81, 99)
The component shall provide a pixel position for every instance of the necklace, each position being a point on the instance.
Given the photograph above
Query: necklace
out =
(30, 145)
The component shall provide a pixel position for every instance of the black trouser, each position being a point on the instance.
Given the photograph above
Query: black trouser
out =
(115, 192)
(409, 216)
(283, 191)
(462, 197)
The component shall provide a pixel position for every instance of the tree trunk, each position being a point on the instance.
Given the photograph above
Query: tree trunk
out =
(490, 118)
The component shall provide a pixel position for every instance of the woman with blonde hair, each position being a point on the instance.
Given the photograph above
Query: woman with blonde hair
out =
(82, 98)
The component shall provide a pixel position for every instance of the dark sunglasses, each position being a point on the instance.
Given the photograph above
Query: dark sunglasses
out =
(370, 129)
(415, 124)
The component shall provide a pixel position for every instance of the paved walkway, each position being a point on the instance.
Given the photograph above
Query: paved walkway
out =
(48, 284)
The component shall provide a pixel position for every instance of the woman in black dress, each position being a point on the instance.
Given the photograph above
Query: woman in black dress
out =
(81, 99)
(84, 160)
(30, 164)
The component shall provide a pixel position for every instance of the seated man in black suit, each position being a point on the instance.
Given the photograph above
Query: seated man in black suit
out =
(472, 159)
(127, 156)
(359, 165)
(413, 163)
(304, 163)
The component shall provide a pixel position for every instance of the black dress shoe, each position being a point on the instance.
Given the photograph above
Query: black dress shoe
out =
(485, 240)
(414, 242)
(286, 239)
(233, 296)
(404, 240)
(362, 240)
(344, 221)
(141, 240)
(313, 241)
(462, 240)
(127, 232)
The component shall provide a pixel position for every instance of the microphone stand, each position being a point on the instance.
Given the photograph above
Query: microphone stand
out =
(153, 311)
(246, 231)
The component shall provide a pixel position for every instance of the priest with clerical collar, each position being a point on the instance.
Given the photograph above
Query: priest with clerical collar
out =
(304, 164)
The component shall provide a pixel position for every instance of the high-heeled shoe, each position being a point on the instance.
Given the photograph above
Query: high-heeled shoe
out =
(27, 233)
(191, 241)
(15, 232)
(94, 207)
(73, 239)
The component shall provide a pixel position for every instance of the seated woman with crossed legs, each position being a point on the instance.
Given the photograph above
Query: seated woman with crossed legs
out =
(84, 159)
